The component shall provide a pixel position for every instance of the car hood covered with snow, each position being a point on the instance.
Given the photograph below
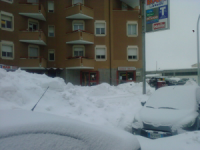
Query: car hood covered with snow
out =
(166, 117)
(31, 130)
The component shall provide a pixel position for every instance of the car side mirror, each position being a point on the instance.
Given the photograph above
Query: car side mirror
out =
(143, 103)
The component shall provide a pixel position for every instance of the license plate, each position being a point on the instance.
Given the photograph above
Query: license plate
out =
(154, 135)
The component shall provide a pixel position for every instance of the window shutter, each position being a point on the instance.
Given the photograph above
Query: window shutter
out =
(33, 52)
(100, 25)
(100, 51)
(78, 48)
(132, 51)
(7, 48)
(51, 5)
(51, 29)
(132, 29)
(7, 18)
(78, 1)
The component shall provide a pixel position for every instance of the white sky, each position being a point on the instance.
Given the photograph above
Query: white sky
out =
(177, 47)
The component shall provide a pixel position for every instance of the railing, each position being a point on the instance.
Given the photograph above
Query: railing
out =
(79, 30)
(79, 57)
(26, 2)
(79, 4)
(27, 57)
(27, 30)
(35, 3)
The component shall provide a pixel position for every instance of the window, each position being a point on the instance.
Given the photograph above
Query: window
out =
(7, 21)
(78, 50)
(77, 1)
(9, 1)
(33, 25)
(132, 53)
(78, 25)
(100, 53)
(51, 31)
(50, 6)
(100, 28)
(51, 55)
(132, 29)
(33, 51)
(7, 50)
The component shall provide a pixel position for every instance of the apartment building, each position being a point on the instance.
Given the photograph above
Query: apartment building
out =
(86, 42)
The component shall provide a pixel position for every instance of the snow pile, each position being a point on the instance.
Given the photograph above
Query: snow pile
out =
(102, 104)
(191, 82)
(185, 141)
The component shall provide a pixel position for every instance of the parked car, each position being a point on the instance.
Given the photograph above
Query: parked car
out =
(182, 81)
(169, 111)
(170, 82)
(26, 130)
(153, 81)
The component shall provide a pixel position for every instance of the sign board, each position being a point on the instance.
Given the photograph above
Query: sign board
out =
(126, 68)
(157, 15)
(8, 68)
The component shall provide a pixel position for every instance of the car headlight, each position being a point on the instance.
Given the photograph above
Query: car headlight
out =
(191, 123)
(137, 124)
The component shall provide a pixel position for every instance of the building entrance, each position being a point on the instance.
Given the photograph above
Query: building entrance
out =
(89, 78)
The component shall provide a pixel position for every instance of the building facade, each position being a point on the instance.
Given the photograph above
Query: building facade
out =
(86, 42)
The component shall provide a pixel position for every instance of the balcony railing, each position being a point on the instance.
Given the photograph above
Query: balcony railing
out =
(79, 37)
(32, 9)
(79, 11)
(34, 37)
(33, 62)
(80, 62)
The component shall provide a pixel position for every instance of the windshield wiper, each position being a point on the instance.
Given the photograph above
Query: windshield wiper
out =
(149, 106)
(166, 108)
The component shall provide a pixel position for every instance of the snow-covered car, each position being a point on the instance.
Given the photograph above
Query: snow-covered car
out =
(182, 81)
(27, 130)
(169, 111)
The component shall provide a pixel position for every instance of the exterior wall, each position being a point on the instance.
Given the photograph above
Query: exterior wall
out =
(72, 76)
(115, 40)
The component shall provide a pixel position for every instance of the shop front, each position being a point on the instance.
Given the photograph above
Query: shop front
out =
(89, 78)
(126, 74)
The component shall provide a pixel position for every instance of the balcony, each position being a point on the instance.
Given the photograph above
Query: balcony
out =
(79, 37)
(32, 10)
(79, 11)
(32, 63)
(33, 37)
(80, 63)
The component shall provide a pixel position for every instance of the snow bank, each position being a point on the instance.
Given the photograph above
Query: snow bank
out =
(190, 82)
(102, 104)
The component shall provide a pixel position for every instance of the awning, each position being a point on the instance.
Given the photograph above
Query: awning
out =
(132, 3)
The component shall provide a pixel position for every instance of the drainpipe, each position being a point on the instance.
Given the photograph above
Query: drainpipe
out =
(110, 41)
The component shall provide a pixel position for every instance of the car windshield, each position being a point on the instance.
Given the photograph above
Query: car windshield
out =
(179, 97)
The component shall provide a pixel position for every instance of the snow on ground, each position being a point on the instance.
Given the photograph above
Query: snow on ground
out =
(105, 105)
(102, 104)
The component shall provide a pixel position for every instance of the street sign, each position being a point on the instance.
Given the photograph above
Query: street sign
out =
(157, 15)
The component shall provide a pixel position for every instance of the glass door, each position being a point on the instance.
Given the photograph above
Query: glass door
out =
(89, 78)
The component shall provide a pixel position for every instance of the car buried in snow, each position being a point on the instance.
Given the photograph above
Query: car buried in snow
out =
(27, 130)
(169, 111)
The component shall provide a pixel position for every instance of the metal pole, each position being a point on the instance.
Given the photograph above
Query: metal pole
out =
(198, 50)
(143, 45)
